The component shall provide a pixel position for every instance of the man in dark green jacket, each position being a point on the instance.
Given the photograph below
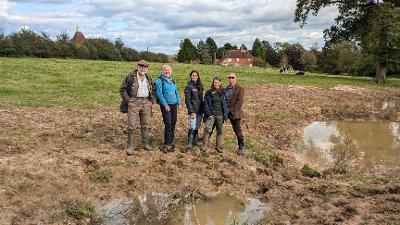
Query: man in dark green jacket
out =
(137, 98)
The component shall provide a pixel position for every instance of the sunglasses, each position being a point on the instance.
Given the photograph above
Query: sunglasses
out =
(231, 77)
(144, 66)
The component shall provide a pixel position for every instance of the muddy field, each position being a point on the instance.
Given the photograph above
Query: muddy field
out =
(54, 161)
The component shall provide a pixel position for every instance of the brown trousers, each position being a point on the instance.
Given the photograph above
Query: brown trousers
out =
(139, 113)
(237, 128)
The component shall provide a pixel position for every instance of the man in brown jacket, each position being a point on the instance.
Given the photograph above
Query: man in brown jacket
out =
(235, 97)
(137, 98)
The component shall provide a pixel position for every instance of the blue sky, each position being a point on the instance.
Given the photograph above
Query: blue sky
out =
(162, 24)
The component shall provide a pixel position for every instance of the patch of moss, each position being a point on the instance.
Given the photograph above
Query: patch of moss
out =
(266, 157)
(125, 164)
(98, 176)
(307, 171)
(79, 210)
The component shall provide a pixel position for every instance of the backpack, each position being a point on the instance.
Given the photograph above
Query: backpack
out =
(162, 89)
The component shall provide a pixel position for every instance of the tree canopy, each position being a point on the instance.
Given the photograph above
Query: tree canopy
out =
(187, 52)
(373, 24)
(204, 53)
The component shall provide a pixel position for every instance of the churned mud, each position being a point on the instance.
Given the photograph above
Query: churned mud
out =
(57, 165)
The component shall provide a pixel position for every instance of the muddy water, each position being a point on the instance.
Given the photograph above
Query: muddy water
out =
(225, 210)
(369, 142)
(163, 208)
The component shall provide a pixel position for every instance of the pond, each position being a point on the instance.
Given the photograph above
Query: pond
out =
(369, 142)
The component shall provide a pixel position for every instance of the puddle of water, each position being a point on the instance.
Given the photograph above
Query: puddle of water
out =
(225, 210)
(115, 212)
(156, 209)
(370, 142)
(147, 209)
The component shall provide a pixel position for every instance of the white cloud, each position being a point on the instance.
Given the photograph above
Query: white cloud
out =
(24, 28)
(312, 35)
(5, 7)
(41, 1)
(160, 25)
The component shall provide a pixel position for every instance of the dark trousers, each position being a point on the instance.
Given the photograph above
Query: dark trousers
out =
(169, 119)
(237, 129)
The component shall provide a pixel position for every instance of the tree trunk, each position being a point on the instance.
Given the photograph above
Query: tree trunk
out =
(380, 75)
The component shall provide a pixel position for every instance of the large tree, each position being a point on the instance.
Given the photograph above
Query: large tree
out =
(187, 52)
(65, 48)
(294, 53)
(338, 58)
(204, 53)
(309, 60)
(258, 50)
(272, 57)
(373, 24)
(212, 48)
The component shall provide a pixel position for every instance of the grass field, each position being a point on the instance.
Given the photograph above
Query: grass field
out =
(86, 83)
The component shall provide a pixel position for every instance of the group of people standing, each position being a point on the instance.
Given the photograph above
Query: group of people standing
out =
(216, 106)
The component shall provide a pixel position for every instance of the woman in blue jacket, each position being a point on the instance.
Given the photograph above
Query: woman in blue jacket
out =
(215, 113)
(168, 98)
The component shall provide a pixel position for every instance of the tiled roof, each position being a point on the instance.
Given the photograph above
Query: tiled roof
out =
(78, 38)
(238, 54)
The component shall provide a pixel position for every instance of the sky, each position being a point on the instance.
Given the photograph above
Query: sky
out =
(160, 25)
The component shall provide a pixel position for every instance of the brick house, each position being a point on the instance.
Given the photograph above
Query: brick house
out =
(239, 57)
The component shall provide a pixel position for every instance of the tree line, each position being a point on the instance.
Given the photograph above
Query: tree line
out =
(333, 58)
(339, 57)
(27, 43)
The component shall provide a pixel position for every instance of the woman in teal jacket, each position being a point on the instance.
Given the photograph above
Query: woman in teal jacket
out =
(168, 98)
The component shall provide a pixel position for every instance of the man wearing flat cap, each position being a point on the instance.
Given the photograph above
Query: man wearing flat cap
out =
(137, 98)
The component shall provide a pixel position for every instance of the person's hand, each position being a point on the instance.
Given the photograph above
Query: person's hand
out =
(167, 108)
(193, 115)
(178, 107)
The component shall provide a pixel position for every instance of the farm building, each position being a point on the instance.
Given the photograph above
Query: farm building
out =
(240, 57)
(78, 38)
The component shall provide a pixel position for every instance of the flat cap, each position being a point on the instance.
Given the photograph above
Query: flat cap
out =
(142, 63)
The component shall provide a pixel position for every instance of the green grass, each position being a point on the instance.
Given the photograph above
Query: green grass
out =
(33, 82)
(79, 210)
(98, 176)
(266, 157)
(125, 164)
